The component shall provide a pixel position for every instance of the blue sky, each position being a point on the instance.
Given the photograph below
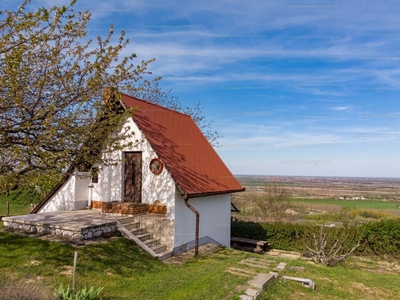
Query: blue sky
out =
(294, 87)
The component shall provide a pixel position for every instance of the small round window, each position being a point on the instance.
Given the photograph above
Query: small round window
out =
(156, 166)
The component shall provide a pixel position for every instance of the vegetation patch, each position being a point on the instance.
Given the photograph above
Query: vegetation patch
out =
(381, 238)
(19, 200)
(126, 272)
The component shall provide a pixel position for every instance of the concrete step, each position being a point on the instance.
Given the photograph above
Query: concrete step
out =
(126, 220)
(144, 236)
(158, 248)
(261, 280)
(164, 255)
(132, 225)
(137, 231)
(151, 242)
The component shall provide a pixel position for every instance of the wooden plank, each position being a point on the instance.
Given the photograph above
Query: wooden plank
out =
(247, 249)
(249, 241)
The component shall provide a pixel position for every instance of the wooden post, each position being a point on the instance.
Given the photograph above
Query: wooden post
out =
(73, 272)
(7, 209)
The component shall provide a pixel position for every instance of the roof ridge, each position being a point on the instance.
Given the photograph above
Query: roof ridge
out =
(158, 105)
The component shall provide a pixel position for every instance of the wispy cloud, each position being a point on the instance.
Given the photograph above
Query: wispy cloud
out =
(274, 74)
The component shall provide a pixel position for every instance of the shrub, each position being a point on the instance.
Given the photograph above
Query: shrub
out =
(22, 196)
(331, 246)
(379, 238)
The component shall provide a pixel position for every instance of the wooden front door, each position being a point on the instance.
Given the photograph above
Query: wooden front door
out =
(133, 177)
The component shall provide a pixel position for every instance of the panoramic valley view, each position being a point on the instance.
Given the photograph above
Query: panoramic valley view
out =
(192, 150)
(335, 199)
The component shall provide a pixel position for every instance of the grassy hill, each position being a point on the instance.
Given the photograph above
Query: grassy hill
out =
(126, 272)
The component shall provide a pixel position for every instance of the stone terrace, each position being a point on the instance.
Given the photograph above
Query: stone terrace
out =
(74, 225)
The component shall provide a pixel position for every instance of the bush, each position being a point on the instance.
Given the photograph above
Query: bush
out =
(23, 196)
(379, 238)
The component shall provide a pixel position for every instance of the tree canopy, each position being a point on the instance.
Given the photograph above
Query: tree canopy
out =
(52, 82)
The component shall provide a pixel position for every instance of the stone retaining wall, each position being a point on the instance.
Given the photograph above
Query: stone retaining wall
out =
(108, 229)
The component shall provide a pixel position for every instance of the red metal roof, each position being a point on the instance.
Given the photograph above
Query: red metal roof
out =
(191, 160)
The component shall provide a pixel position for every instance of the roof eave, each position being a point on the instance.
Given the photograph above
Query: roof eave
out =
(205, 194)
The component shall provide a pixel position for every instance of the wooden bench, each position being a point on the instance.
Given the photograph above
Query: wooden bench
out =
(250, 245)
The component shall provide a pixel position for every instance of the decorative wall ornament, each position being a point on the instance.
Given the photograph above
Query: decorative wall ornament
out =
(156, 166)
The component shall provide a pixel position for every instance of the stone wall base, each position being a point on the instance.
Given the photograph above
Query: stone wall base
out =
(104, 230)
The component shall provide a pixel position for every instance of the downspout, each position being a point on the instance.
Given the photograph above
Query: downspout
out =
(90, 186)
(196, 241)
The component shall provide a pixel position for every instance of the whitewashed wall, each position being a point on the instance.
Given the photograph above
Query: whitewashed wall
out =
(109, 188)
(215, 221)
(154, 187)
(71, 196)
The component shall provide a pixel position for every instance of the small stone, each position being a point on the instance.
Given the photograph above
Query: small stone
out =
(253, 293)
(246, 297)
(281, 266)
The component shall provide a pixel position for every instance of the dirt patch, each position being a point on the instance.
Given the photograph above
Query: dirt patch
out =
(35, 280)
(67, 270)
(284, 254)
(380, 267)
(368, 292)
(108, 272)
(35, 262)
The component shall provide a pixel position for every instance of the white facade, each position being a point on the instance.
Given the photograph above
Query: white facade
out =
(159, 187)
(215, 221)
(72, 195)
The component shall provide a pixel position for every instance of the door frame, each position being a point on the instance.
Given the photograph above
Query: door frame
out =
(125, 153)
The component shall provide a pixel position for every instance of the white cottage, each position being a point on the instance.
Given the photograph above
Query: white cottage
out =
(173, 171)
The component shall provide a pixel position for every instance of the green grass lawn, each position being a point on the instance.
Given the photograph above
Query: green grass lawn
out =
(120, 267)
(353, 204)
(126, 272)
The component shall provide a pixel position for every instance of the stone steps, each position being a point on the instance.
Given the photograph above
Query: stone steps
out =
(152, 242)
(143, 238)
(158, 248)
(132, 225)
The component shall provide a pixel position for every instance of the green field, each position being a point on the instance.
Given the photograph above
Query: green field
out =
(353, 204)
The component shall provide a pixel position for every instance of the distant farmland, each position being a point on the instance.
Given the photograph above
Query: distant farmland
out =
(353, 204)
